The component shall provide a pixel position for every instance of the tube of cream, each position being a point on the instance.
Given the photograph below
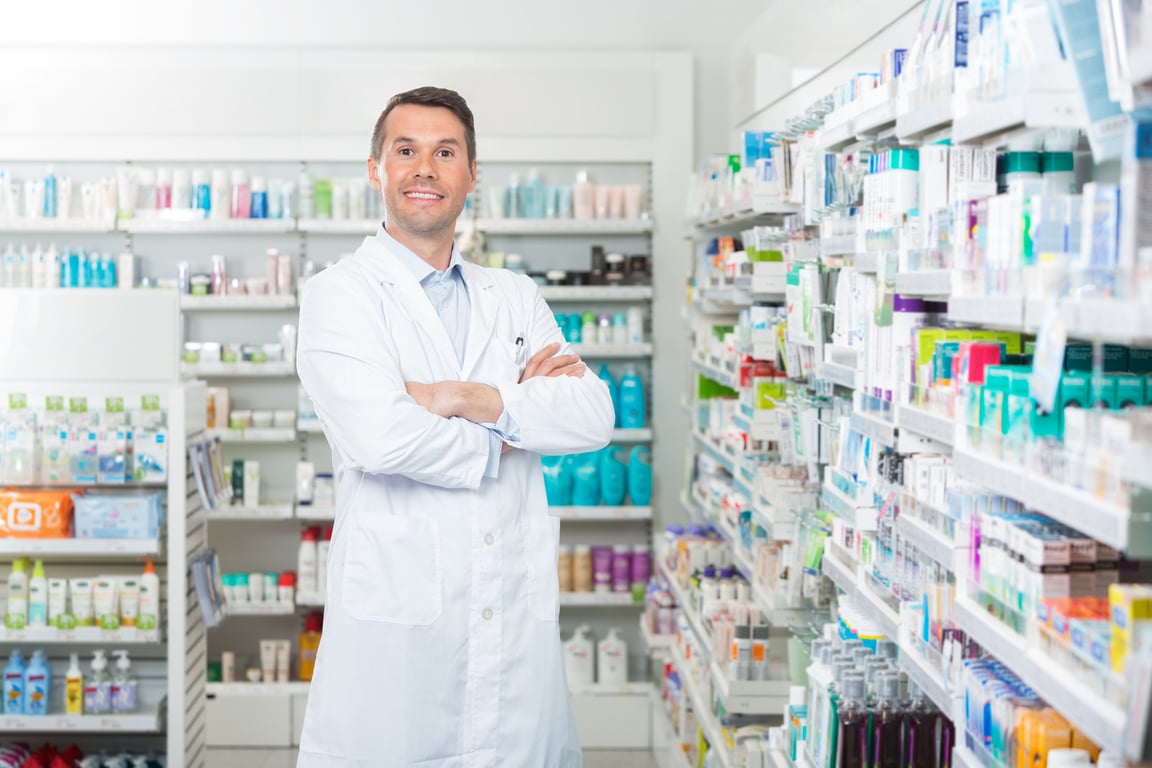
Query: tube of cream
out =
(129, 601)
(81, 590)
(58, 603)
(268, 660)
(104, 601)
(283, 653)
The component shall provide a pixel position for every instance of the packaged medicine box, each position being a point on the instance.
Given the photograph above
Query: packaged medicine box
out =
(107, 516)
(1128, 604)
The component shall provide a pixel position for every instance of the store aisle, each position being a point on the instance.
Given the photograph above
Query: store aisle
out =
(286, 758)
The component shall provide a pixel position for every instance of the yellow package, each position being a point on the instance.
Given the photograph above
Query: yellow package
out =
(1127, 605)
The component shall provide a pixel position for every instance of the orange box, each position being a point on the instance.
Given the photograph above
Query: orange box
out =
(36, 514)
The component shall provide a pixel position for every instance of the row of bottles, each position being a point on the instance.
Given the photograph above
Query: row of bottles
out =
(859, 717)
(607, 666)
(28, 687)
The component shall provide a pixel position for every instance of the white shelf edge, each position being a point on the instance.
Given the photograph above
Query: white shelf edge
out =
(309, 600)
(146, 722)
(238, 370)
(363, 227)
(259, 609)
(253, 435)
(704, 714)
(933, 543)
(612, 351)
(598, 599)
(80, 226)
(850, 580)
(292, 688)
(930, 681)
(874, 427)
(559, 226)
(682, 600)
(51, 635)
(930, 283)
(262, 512)
(920, 421)
(206, 226)
(596, 292)
(840, 375)
(602, 513)
(631, 435)
(311, 512)
(239, 302)
(78, 547)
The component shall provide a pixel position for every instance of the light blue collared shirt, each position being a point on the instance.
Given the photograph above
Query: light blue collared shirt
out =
(447, 291)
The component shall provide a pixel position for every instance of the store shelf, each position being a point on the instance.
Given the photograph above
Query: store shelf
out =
(148, 722)
(254, 435)
(80, 547)
(850, 581)
(596, 292)
(607, 689)
(964, 757)
(928, 540)
(861, 517)
(79, 635)
(611, 351)
(238, 370)
(309, 600)
(225, 690)
(1109, 320)
(631, 435)
(877, 428)
(364, 227)
(309, 426)
(1099, 719)
(775, 615)
(733, 297)
(716, 373)
(318, 513)
(1110, 523)
(562, 226)
(928, 282)
(705, 715)
(770, 699)
(716, 452)
(920, 421)
(79, 226)
(262, 512)
(875, 120)
(837, 138)
(924, 121)
(259, 609)
(1000, 312)
(652, 641)
(589, 514)
(238, 302)
(742, 213)
(207, 226)
(839, 375)
(598, 600)
(930, 680)
(687, 606)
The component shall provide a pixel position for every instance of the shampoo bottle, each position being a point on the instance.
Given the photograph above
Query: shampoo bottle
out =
(123, 685)
(74, 688)
(38, 597)
(632, 410)
(37, 685)
(582, 194)
(640, 476)
(612, 659)
(586, 482)
(578, 662)
(148, 617)
(14, 684)
(309, 645)
(613, 389)
(533, 196)
(17, 614)
(613, 476)
(557, 481)
(98, 687)
(306, 562)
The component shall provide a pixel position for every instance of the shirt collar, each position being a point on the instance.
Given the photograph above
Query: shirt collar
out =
(421, 269)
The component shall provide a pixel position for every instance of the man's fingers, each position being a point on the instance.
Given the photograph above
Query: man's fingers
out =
(555, 363)
(576, 369)
(542, 355)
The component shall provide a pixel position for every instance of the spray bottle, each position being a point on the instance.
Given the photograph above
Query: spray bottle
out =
(74, 688)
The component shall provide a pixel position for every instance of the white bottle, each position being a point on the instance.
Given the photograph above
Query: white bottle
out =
(148, 618)
(17, 614)
(38, 597)
(582, 203)
(322, 547)
(578, 661)
(306, 582)
(612, 660)
(635, 325)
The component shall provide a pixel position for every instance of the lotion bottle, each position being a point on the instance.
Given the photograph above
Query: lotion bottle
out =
(578, 661)
(612, 659)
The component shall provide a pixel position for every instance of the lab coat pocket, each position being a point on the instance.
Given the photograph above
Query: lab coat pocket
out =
(393, 571)
(541, 542)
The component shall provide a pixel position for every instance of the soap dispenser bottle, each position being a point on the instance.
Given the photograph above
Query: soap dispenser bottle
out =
(632, 410)
(98, 687)
(609, 380)
(578, 661)
(148, 617)
(37, 685)
(613, 476)
(14, 684)
(612, 659)
(123, 685)
(640, 476)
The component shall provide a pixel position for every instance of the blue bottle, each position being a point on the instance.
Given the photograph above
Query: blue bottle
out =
(586, 480)
(562, 324)
(557, 480)
(640, 476)
(533, 203)
(613, 390)
(631, 411)
(50, 194)
(37, 685)
(575, 328)
(613, 476)
(14, 684)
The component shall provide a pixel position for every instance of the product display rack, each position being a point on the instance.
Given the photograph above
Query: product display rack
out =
(61, 356)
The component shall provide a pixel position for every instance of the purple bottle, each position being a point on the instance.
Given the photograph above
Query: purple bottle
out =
(641, 567)
(621, 568)
(602, 569)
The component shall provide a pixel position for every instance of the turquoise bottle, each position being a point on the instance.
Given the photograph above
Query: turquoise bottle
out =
(640, 476)
(613, 476)
(14, 684)
(632, 412)
(613, 389)
(37, 685)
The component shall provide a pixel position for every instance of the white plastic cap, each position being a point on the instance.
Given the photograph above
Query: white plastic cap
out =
(258, 184)
(122, 660)
(164, 176)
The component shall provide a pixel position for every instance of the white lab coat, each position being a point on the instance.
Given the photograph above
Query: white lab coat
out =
(441, 644)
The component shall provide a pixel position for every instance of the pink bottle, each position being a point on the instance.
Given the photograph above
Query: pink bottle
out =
(241, 195)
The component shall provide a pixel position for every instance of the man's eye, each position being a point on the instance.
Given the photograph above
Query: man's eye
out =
(405, 151)
(445, 153)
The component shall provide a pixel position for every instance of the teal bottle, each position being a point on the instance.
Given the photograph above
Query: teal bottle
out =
(14, 684)
(632, 412)
(640, 476)
(613, 389)
(613, 476)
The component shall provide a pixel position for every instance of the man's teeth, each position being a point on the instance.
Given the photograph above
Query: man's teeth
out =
(424, 195)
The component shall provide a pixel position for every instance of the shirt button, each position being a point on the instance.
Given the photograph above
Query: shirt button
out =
(487, 614)
(489, 539)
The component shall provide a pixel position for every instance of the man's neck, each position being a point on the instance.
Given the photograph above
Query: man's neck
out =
(434, 248)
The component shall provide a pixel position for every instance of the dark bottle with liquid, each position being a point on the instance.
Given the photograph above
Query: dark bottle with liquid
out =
(920, 725)
(853, 716)
(887, 724)
(947, 742)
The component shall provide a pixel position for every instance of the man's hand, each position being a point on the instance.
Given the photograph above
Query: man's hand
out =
(547, 363)
(439, 398)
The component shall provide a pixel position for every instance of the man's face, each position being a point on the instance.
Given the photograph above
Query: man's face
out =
(424, 169)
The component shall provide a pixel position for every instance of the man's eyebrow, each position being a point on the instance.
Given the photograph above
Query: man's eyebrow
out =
(410, 140)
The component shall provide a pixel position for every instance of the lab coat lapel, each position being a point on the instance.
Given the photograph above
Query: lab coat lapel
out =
(482, 295)
(411, 297)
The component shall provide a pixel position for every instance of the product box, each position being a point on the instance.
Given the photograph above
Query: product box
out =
(35, 514)
(1104, 391)
(1078, 357)
(1140, 361)
(107, 516)
(1129, 390)
(150, 456)
(1074, 389)
(1128, 604)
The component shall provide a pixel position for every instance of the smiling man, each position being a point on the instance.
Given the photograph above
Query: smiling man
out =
(439, 385)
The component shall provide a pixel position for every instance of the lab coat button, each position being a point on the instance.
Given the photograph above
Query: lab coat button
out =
(489, 539)
(487, 614)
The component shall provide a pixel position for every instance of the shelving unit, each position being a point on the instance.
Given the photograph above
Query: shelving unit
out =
(602, 513)
(148, 722)
(79, 635)
(598, 600)
(238, 303)
(238, 370)
(80, 548)
(263, 512)
(254, 435)
(207, 226)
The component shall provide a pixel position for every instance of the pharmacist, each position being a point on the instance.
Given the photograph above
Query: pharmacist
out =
(439, 384)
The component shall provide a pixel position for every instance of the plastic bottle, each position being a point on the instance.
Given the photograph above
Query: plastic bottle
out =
(640, 476)
(588, 329)
(514, 207)
(533, 196)
(309, 645)
(582, 197)
(578, 661)
(920, 729)
(98, 687)
(605, 375)
(633, 411)
(852, 740)
(887, 723)
(557, 481)
(50, 199)
(241, 194)
(613, 476)
(123, 685)
(74, 688)
(38, 596)
(322, 547)
(17, 614)
(149, 610)
(163, 188)
(37, 685)
(14, 684)
(586, 480)
(612, 659)
(258, 206)
(306, 582)
(305, 201)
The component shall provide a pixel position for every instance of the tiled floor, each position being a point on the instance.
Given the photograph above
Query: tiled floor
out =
(286, 758)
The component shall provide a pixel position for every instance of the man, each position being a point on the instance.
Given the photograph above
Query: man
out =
(439, 384)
